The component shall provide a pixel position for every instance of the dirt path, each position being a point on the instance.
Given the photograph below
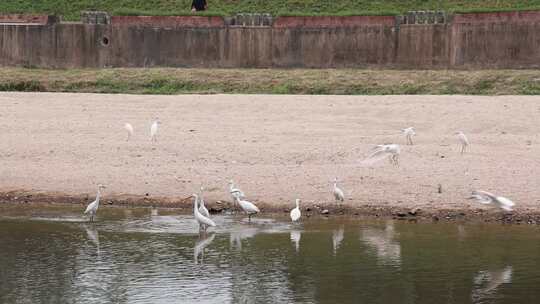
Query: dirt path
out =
(276, 148)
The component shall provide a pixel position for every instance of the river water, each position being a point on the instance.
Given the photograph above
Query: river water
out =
(53, 255)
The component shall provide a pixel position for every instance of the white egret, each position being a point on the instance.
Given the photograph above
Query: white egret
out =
(93, 206)
(248, 207)
(154, 129)
(202, 208)
(390, 151)
(204, 222)
(338, 193)
(129, 128)
(409, 133)
(463, 141)
(235, 192)
(295, 213)
(488, 198)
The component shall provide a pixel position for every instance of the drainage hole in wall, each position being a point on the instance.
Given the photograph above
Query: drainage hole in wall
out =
(105, 41)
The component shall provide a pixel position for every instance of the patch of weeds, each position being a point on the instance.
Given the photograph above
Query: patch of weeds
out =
(483, 86)
(165, 86)
(530, 88)
(106, 85)
(356, 89)
(22, 86)
(412, 89)
(449, 89)
(283, 88)
(318, 90)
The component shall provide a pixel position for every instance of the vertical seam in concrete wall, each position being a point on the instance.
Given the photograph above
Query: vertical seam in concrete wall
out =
(395, 49)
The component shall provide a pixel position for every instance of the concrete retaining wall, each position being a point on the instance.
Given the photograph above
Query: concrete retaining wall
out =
(494, 40)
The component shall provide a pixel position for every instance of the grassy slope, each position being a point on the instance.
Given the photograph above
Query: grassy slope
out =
(70, 8)
(275, 81)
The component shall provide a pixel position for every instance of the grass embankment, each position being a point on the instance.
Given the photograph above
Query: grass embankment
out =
(70, 9)
(273, 81)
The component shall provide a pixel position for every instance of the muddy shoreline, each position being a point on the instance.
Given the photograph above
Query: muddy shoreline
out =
(321, 209)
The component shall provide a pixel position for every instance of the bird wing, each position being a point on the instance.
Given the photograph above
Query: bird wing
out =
(249, 207)
(90, 207)
(338, 193)
(205, 220)
(483, 197)
(204, 211)
(377, 155)
(463, 138)
(295, 214)
(506, 204)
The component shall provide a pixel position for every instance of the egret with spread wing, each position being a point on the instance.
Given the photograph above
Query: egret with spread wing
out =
(390, 151)
(488, 198)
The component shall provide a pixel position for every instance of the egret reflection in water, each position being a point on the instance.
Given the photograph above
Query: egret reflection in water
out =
(238, 235)
(295, 239)
(383, 241)
(203, 242)
(337, 238)
(487, 282)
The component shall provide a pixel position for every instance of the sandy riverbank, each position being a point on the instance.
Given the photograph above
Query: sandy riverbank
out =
(276, 148)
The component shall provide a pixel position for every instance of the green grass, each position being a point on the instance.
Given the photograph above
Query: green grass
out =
(70, 9)
(273, 81)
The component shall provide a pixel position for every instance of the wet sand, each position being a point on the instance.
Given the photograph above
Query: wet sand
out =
(58, 147)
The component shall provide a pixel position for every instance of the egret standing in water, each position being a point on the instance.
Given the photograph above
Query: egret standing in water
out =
(154, 129)
(463, 141)
(409, 133)
(202, 208)
(488, 198)
(248, 207)
(129, 128)
(204, 222)
(93, 206)
(338, 193)
(295, 213)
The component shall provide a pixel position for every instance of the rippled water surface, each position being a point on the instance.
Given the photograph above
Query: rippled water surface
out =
(52, 255)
